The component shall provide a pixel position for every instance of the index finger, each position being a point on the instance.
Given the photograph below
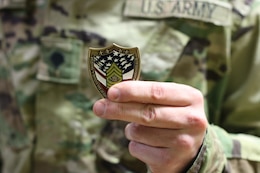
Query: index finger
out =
(149, 114)
(163, 93)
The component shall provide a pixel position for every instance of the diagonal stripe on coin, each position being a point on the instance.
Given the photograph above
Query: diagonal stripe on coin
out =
(113, 64)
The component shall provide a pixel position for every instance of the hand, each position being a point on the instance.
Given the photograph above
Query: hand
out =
(167, 122)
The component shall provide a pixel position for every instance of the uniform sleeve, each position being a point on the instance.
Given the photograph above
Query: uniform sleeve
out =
(233, 144)
(223, 152)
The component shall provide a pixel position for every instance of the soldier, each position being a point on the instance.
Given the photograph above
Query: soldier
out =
(195, 109)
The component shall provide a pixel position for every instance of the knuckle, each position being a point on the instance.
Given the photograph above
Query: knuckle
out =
(185, 142)
(157, 91)
(197, 119)
(202, 123)
(149, 113)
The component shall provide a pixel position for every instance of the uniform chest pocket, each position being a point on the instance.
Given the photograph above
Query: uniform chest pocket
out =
(60, 60)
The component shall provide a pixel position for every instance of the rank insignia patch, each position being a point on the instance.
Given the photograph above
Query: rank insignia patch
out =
(113, 64)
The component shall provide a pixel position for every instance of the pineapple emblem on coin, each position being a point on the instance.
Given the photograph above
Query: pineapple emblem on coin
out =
(113, 64)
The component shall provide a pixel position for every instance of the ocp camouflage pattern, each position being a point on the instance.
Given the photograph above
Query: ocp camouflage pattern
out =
(46, 93)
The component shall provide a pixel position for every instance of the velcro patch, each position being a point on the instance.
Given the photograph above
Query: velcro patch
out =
(213, 11)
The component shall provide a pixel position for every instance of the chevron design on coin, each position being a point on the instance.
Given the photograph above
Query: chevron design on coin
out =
(113, 64)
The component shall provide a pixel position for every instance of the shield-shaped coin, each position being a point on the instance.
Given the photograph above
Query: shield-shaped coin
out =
(113, 64)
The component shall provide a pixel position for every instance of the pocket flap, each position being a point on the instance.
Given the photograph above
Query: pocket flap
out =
(60, 60)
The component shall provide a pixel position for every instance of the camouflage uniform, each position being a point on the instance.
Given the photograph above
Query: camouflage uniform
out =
(46, 96)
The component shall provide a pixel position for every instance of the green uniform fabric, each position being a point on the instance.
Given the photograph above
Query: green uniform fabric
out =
(46, 95)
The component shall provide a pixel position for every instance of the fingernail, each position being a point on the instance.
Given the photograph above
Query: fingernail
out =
(113, 93)
(99, 108)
